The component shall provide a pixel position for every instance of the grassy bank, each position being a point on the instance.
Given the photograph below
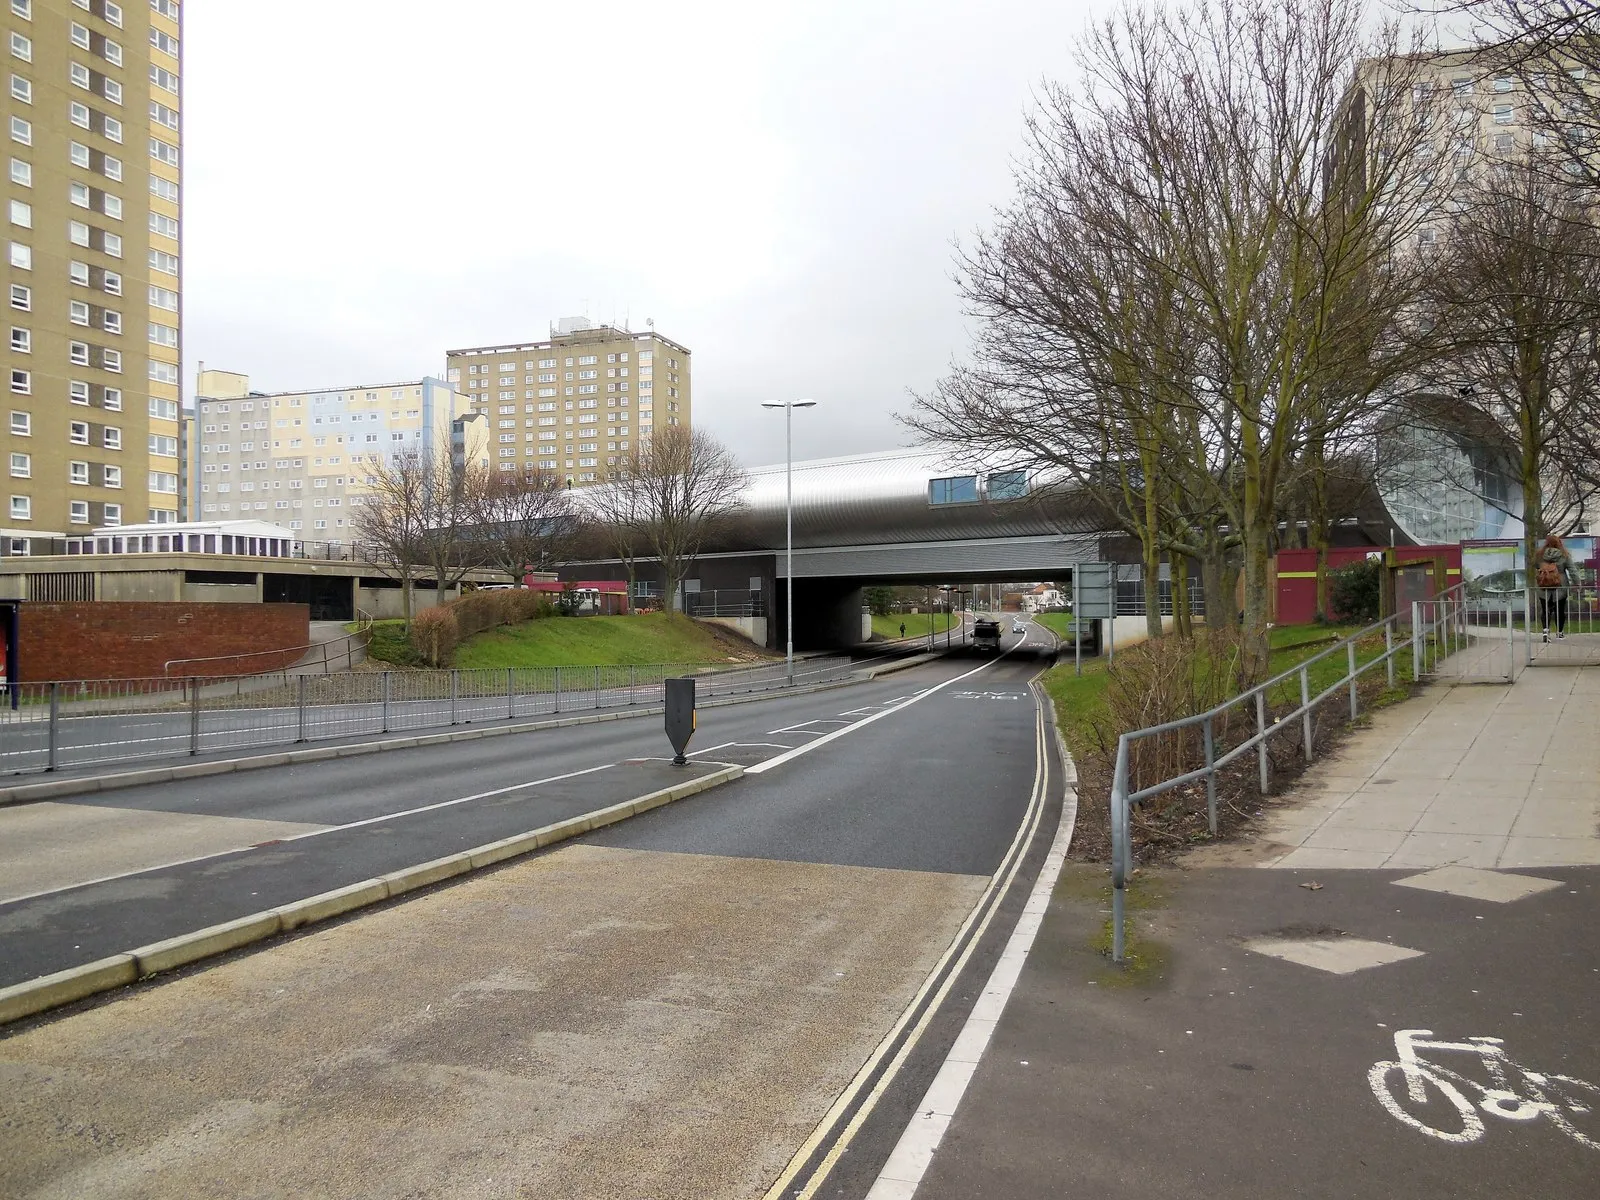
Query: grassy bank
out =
(917, 624)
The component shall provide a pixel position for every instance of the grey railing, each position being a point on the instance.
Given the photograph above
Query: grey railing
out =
(1429, 619)
(50, 726)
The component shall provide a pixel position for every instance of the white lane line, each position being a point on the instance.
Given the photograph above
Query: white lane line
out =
(796, 732)
(179, 862)
(913, 1154)
(762, 768)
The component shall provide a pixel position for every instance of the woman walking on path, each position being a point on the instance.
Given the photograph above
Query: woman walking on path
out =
(1552, 574)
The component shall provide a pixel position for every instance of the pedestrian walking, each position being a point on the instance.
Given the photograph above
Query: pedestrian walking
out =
(902, 629)
(1552, 575)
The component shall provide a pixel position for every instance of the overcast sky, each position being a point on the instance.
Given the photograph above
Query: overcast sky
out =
(372, 182)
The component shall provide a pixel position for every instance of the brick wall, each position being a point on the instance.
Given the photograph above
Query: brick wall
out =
(111, 640)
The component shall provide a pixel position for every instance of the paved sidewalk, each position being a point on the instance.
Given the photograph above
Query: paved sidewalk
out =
(1481, 776)
(1254, 1050)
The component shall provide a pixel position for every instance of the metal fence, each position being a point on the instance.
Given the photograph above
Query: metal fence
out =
(1435, 633)
(1567, 620)
(724, 603)
(46, 726)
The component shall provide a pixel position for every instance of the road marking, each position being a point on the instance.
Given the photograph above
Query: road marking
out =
(410, 812)
(988, 904)
(913, 1153)
(762, 768)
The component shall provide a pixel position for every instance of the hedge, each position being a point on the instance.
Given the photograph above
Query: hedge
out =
(437, 632)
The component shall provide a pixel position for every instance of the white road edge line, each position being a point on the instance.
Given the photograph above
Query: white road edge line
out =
(763, 767)
(410, 812)
(913, 1154)
(960, 950)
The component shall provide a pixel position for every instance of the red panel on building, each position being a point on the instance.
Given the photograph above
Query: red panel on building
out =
(1297, 573)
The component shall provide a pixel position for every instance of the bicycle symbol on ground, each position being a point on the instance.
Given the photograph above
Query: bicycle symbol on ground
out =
(1514, 1092)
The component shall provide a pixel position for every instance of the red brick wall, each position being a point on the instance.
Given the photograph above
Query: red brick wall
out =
(113, 640)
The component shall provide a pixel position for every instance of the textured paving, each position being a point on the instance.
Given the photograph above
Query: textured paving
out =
(1477, 776)
(594, 1023)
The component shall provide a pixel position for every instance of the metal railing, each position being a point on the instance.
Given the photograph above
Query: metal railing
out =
(1431, 622)
(1567, 619)
(725, 603)
(50, 726)
(314, 658)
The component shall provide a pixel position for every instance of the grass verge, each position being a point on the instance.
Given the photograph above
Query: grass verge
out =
(917, 624)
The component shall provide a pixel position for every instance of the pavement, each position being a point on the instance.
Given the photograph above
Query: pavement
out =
(1428, 894)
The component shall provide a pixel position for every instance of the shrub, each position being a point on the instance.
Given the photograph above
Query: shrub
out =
(435, 637)
(435, 634)
(1163, 680)
(1355, 591)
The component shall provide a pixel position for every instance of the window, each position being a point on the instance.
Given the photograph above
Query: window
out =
(78, 512)
(78, 194)
(112, 128)
(78, 353)
(113, 479)
(164, 42)
(21, 297)
(113, 52)
(78, 74)
(1503, 114)
(162, 298)
(78, 433)
(161, 261)
(167, 8)
(164, 152)
(78, 114)
(163, 335)
(78, 273)
(112, 244)
(112, 91)
(1503, 83)
(78, 472)
(162, 115)
(22, 90)
(111, 438)
(21, 341)
(112, 207)
(164, 188)
(22, 424)
(78, 392)
(21, 508)
(23, 9)
(112, 282)
(113, 14)
(1504, 141)
(1008, 485)
(111, 360)
(588, 360)
(22, 214)
(21, 383)
(164, 79)
(22, 466)
(21, 131)
(958, 489)
(21, 173)
(77, 233)
(77, 312)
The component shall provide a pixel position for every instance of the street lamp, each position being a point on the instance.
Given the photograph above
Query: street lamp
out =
(788, 407)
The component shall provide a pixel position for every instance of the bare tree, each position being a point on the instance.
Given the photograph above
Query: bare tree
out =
(415, 514)
(520, 522)
(393, 519)
(1203, 279)
(667, 496)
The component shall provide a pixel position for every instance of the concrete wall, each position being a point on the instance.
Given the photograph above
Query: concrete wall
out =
(754, 628)
(135, 640)
(388, 603)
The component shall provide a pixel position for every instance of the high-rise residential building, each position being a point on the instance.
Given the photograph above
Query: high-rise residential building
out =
(305, 459)
(93, 254)
(577, 401)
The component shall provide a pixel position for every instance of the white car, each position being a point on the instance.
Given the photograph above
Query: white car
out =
(1017, 627)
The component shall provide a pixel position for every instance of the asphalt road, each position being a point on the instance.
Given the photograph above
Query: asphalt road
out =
(666, 1008)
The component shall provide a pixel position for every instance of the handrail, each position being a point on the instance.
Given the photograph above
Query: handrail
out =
(1122, 800)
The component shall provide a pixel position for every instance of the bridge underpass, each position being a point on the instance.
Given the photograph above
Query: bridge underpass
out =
(916, 517)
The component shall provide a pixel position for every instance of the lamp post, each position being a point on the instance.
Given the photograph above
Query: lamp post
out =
(788, 407)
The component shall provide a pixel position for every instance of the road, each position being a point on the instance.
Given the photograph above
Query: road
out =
(666, 1008)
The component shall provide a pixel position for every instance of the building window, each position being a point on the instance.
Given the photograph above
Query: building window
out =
(78, 114)
(21, 173)
(111, 400)
(78, 433)
(78, 391)
(21, 340)
(22, 424)
(21, 297)
(22, 214)
(22, 89)
(78, 74)
(21, 256)
(78, 353)
(78, 512)
(112, 321)
(112, 128)
(21, 383)
(163, 188)
(21, 508)
(958, 489)
(78, 472)
(21, 131)
(111, 438)
(77, 233)
(21, 466)
(112, 513)
(112, 282)
(1503, 114)
(161, 261)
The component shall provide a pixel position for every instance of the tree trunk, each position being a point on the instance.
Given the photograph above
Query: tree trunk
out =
(1255, 648)
(1152, 587)
(1182, 618)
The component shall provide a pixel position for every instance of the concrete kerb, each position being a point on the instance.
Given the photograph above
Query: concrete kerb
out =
(77, 983)
(26, 793)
